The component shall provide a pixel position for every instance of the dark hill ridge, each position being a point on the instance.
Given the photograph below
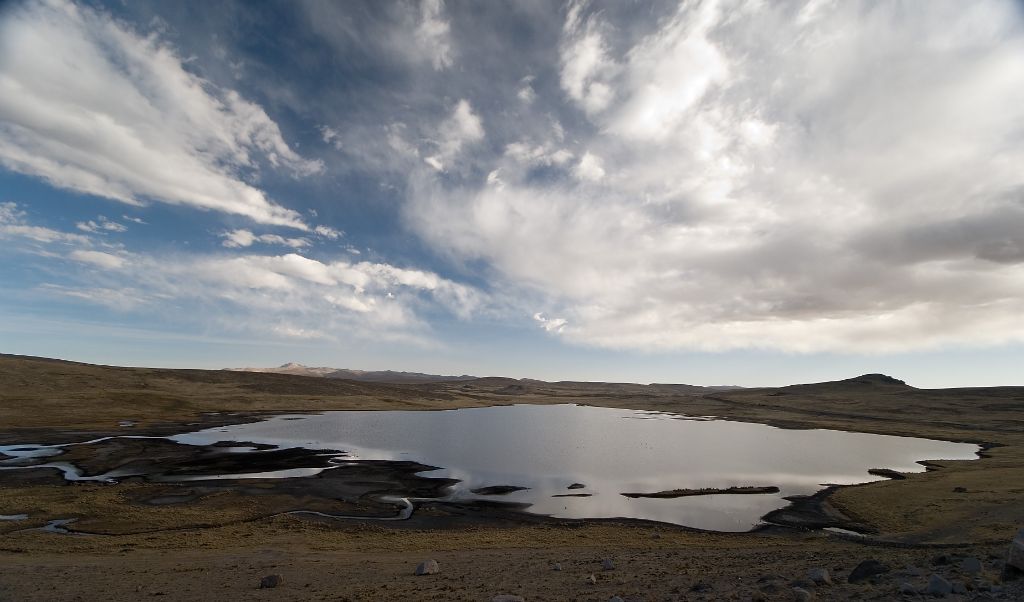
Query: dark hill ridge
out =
(879, 383)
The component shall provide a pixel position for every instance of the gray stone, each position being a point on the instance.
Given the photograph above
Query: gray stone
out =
(867, 569)
(507, 598)
(592, 579)
(938, 586)
(607, 565)
(820, 576)
(908, 589)
(971, 566)
(802, 595)
(557, 566)
(427, 567)
(1015, 557)
(271, 581)
(959, 588)
(615, 599)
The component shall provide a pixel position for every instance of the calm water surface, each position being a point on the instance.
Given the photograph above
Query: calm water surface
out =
(610, 451)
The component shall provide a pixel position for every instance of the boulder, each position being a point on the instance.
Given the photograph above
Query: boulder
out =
(1015, 557)
(271, 581)
(907, 589)
(607, 565)
(867, 569)
(971, 566)
(820, 576)
(802, 595)
(938, 586)
(427, 567)
(615, 599)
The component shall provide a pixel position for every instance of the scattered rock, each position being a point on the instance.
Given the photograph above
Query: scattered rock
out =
(427, 567)
(607, 565)
(971, 566)
(507, 598)
(701, 587)
(959, 490)
(615, 599)
(820, 576)
(907, 589)
(557, 566)
(592, 579)
(802, 595)
(959, 588)
(271, 581)
(940, 560)
(938, 586)
(576, 486)
(868, 568)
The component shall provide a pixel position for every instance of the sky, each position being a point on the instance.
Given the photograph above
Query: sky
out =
(734, 192)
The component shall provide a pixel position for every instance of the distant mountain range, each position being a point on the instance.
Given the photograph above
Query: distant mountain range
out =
(376, 376)
(499, 384)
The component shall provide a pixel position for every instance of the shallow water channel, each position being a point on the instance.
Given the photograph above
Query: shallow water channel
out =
(577, 461)
(547, 448)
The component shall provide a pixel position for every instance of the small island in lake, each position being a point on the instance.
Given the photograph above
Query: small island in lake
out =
(673, 493)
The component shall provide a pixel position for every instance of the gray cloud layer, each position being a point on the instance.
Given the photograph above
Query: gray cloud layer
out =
(832, 176)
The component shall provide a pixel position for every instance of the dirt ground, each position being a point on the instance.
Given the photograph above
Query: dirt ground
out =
(223, 543)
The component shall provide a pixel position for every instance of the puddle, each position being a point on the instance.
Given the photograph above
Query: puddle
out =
(539, 457)
(57, 526)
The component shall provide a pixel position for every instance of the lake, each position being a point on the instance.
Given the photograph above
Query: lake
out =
(548, 448)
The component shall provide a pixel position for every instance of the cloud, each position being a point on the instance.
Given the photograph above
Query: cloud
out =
(91, 105)
(587, 67)
(328, 232)
(462, 127)
(432, 34)
(550, 324)
(245, 238)
(526, 93)
(287, 295)
(856, 188)
(331, 136)
(98, 258)
(101, 224)
(590, 168)
(407, 33)
(13, 225)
